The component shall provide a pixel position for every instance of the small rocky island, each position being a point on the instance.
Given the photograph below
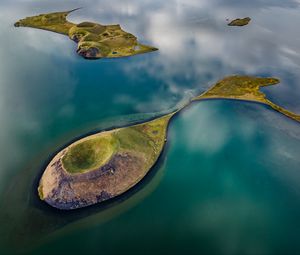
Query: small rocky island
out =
(240, 22)
(94, 40)
(104, 165)
(107, 164)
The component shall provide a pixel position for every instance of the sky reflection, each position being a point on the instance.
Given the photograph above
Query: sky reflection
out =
(48, 95)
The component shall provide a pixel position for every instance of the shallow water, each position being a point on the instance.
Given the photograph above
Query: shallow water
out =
(228, 181)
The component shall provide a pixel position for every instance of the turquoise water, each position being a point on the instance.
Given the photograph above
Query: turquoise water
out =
(228, 181)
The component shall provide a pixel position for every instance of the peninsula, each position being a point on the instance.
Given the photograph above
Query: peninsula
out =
(94, 40)
(245, 88)
(107, 164)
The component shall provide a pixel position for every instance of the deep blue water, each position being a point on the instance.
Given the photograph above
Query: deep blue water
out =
(228, 181)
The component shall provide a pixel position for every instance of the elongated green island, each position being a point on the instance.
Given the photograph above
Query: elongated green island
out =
(107, 164)
(94, 40)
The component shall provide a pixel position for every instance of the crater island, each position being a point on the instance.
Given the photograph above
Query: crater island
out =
(107, 164)
(94, 40)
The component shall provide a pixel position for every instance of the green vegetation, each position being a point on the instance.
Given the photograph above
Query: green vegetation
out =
(240, 22)
(55, 22)
(95, 151)
(148, 137)
(89, 154)
(94, 40)
(245, 88)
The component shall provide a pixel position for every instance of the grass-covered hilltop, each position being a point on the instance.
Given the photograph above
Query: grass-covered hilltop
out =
(104, 165)
(94, 40)
(107, 164)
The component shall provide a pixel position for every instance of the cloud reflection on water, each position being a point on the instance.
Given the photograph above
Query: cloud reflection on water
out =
(196, 48)
(24, 93)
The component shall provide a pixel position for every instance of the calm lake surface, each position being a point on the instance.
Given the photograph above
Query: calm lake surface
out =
(228, 181)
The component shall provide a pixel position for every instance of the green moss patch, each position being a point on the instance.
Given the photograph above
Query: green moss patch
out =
(89, 154)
